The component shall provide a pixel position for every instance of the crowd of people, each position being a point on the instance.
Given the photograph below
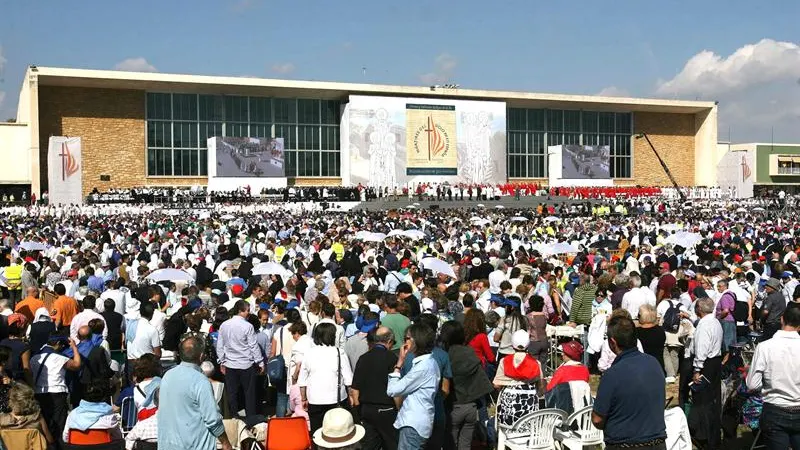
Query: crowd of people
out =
(422, 329)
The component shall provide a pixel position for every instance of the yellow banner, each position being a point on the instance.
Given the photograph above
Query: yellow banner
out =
(431, 140)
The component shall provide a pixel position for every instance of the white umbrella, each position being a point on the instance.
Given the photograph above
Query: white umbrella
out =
(671, 227)
(475, 218)
(414, 234)
(269, 268)
(481, 205)
(551, 219)
(438, 266)
(684, 239)
(33, 246)
(169, 275)
(204, 215)
(741, 210)
(362, 234)
(519, 219)
(499, 207)
(374, 237)
(410, 207)
(758, 209)
(395, 233)
(559, 248)
(482, 222)
(227, 217)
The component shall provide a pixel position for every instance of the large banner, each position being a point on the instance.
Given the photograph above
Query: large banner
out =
(430, 134)
(395, 141)
(585, 162)
(64, 170)
(247, 157)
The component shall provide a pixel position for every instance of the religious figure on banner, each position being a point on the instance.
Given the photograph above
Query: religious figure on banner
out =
(477, 139)
(382, 152)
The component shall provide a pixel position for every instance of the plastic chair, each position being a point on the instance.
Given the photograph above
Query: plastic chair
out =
(89, 437)
(129, 415)
(533, 431)
(580, 429)
(113, 445)
(287, 433)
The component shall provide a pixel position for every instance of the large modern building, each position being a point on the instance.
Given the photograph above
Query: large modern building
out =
(759, 168)
(151, 129)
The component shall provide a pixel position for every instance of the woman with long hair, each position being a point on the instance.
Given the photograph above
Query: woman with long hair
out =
(476, 337)
(513, 321)
(555, 297)
(537, 329)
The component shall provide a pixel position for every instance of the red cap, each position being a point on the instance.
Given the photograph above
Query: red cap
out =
(573, 350)
(237, 289)
(664, 265)
(72, 273)
(737, 258)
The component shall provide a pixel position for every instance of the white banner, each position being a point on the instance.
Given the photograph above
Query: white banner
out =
(64, 170)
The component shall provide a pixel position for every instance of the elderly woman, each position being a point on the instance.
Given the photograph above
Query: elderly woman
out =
(325, 375)
(651, 334)
(25, 412)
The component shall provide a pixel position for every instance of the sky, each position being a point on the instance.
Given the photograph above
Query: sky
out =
(744, 54)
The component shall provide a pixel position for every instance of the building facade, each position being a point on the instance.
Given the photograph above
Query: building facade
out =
(758, 169)
(151, 129)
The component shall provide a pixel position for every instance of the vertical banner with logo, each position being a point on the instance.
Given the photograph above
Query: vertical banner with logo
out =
(431, 140)
(64, 164)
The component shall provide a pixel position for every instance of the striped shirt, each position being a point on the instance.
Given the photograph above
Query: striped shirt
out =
(581, 311)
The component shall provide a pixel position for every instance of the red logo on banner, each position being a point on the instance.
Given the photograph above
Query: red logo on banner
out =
(68, 164)
(745, 169)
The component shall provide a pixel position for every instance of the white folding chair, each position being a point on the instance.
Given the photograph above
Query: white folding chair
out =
(579, 431)
(533, 431)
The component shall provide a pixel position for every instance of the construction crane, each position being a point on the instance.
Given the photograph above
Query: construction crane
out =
(663, 165)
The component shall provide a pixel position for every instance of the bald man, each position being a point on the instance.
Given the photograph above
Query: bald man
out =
(30, 304)
(378, 410)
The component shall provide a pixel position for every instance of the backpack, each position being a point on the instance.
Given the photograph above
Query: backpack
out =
(740, 312)
(672, 318)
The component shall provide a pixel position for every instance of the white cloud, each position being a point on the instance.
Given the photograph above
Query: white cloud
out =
(283, 68)
(135, 65)
(613, 91)
(707, 74)
(757, 87)
(3, 61)
(443, 68)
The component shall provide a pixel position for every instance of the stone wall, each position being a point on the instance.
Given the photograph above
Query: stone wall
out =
(673, 137)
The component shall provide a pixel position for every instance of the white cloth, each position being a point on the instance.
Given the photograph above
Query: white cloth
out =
(633, 300)
(83, 318)
(319, 375)
(146, 340)
(775, 369)
(707, 341)
(678, 436)
(51, 379)
(607, 357)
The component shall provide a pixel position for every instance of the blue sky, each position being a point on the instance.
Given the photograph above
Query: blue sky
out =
(619, 47)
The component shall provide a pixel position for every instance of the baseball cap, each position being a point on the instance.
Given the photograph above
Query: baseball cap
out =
(520, 340)
(787, 274)
(664, 265)
(572, 349)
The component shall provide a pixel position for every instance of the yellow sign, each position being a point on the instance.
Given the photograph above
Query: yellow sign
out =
(431, 140)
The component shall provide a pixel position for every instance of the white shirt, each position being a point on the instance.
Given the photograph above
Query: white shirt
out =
(83, 318)
(339, 331)
(482, 302)
(146, 340)
(51, 379)
(114, 294)
(495, 278)
(632, 300)
(776, 369)
(707, 341)
(158, 320)
(319, 375)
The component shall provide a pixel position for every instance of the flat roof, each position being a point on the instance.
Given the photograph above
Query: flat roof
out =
(147, 81)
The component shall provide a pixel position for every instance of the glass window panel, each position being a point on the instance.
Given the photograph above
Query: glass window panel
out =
(516, 119)
(211, 108)
(623, 123)
(158, 106)
(203, 161)
(162, 161)
(287, 132)
(516, 142)
(536, 119)
(236, 129)
(185, 135)
(590, 139)
(330, 138)
(337, 168)
(261, 130)
(307, 137)
(539, 167)
(177, 162)
(606, 122)
(622, 145)
(308, 111)
(290, 163)
(572, 138)
(236, 109)
(209, 130)
(623, 168)
(159, 134)
(554, 139)
(151, 161)
(555, 120)
(184, 107)
(331, 112)
(589, 122)
(285, 110)
(260, 109)
(606, 139)
(536, 143)
(572, 121)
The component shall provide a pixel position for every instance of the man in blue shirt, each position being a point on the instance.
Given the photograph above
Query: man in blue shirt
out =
(418, 387)
(188, 417)
(436, 440)
(629, 407)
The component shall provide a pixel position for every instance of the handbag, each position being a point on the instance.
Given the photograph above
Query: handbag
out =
(276, 366)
